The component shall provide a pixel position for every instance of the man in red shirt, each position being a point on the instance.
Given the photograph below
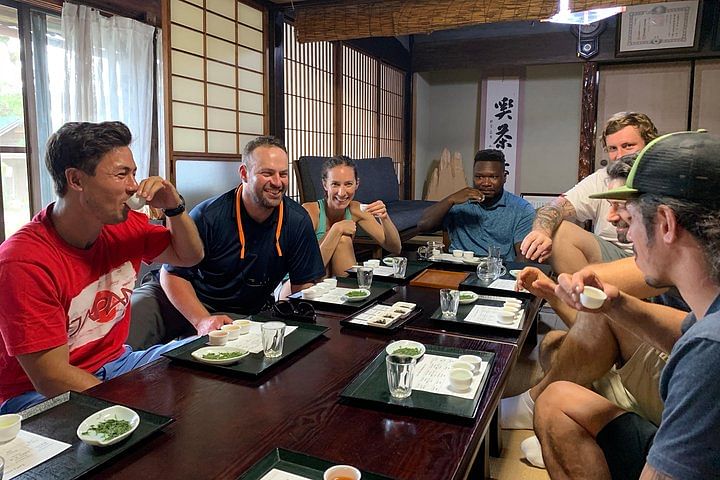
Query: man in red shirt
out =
(68, 274)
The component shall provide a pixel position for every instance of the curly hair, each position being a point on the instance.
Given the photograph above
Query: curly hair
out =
(81, 145)
(620, 120)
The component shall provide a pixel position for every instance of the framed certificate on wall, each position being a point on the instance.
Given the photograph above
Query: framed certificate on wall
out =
(659, 26)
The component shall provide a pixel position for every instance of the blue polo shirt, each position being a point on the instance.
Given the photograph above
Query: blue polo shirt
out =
(226, 283)
(475, 227)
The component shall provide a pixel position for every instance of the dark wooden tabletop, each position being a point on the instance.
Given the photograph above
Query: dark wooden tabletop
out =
(224, 425)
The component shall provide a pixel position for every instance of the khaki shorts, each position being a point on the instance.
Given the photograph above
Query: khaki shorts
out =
(611, 252)
(636, 385)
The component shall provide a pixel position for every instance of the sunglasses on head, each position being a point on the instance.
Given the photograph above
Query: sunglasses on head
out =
(301, 311)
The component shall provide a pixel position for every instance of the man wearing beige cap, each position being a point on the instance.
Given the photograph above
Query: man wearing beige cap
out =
(674, 215)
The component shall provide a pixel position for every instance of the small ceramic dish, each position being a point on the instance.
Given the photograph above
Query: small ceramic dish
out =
(468, 297)
(356, 295)
(461, 379)
(473, 360)
(592, 298)
(471, 261)
(116, 412)
(342, 471)
(244, 325)
(505, 317)
(9, 427)
(393, 348)
(202, 354)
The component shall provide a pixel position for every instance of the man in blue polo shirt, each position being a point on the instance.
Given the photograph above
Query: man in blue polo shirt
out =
(483, 216)
(253, 236)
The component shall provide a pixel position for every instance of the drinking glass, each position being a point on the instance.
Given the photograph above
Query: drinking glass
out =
(422, 253)
(364, 277)
(493, 251)
(399, 266)
(490, 269)
(273, 337)
(399, 375)
(449, 301)
(434, 248)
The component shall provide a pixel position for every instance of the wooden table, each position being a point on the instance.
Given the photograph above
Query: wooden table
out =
(224, 425)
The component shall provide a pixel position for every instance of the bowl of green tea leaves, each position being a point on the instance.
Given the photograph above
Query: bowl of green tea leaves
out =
(224, 355)
(406, 348)
(356, 295)
(109, 426)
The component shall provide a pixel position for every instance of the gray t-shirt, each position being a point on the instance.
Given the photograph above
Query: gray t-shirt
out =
(687, 445)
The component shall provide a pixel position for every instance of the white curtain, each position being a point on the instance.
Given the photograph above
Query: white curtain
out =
(109, 74)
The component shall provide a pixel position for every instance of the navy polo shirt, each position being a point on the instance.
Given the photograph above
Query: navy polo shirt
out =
(226, 283)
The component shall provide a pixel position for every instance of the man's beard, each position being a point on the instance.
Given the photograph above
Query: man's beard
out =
(261, 200)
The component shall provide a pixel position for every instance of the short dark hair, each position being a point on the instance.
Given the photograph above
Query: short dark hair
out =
(337, 161)
(621, 167)
(262, 141)
(490, 155)
(81, 145)
(620, 120)
(701, 220)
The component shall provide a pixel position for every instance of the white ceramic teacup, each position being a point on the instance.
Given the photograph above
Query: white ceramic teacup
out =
(473, 360)
(374, 263)
(505, 317)
(592, 297)
(218, 337)
(462, 365)
(232, 330)
(511, 307)
(244, 325)
(457, 253)
(461, 379)
(9, 426)
(468, 254)
(342, 472)
(330, 281)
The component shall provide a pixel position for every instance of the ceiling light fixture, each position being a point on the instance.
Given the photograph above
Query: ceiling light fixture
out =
(564, 15)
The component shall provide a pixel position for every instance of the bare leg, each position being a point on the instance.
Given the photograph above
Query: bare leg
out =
(549, 347)
(573, 248)
(343, 257)
(568, 418)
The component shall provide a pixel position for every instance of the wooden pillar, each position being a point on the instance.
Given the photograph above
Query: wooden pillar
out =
(588, 120)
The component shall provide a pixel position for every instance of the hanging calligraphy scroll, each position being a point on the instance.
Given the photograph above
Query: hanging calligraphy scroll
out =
(502, 114)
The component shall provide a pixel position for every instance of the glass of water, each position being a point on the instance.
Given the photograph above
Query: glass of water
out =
(273, 338)
(399, 266)
(449, 301)
(364, 277)
(493, 251)
(400, 375)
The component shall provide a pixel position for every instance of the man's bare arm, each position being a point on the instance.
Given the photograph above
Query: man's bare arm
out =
(537, 245)
(51, 373)
(649, 473)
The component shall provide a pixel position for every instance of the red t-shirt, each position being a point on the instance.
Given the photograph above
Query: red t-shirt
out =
(54, 294)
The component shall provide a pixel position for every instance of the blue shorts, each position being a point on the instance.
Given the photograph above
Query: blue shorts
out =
(128, 361)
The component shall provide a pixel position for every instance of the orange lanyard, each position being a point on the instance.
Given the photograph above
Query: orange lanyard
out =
(241, 234)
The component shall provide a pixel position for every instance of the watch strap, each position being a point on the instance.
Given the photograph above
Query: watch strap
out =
(172, 212)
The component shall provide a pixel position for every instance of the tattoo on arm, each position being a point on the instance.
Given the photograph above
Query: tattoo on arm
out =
(549, 217)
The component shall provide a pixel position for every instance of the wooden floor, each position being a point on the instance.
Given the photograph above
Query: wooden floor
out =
(511, 465)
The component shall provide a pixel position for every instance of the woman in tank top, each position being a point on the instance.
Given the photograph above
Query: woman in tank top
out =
(336, 216)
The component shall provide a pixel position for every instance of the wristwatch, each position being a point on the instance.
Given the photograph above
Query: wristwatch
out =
(171, 212)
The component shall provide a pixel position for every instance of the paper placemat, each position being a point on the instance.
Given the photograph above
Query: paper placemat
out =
(276, 474)
(252, 341)
(431, 374)
(486, 315)
(28, 450)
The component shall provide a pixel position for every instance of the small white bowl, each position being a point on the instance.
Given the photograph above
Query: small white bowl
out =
(513, 301)
(457, 253)
(341, 471)
(505, 317)
(200, 353)
(117, 412)
(390, 349)
(135, 202)
(473, 360)
(468, 254)
(244, 325)
(462, 365)
(330, 281)
(218, 337)
(372, 263)
(232, 330)
(9, 427)
(461, 379)
(592, 298)
(511, 307)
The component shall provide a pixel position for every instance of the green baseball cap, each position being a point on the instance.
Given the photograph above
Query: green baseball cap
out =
(684, 165)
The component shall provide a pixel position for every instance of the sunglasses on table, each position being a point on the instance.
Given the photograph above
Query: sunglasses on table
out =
(301, 311)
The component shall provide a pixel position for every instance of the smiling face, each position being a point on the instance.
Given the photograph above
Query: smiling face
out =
(616, 206)
(625, 141)
(104, 194)
(340, 186)
(489, 178)
(266, 176)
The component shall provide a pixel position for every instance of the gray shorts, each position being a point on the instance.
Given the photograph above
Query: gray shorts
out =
(610, 251)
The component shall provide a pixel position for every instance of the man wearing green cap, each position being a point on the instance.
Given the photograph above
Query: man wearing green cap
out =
(673, 214)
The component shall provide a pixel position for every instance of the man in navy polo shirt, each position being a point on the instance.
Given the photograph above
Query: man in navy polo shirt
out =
(485, 215)
(253, 236)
